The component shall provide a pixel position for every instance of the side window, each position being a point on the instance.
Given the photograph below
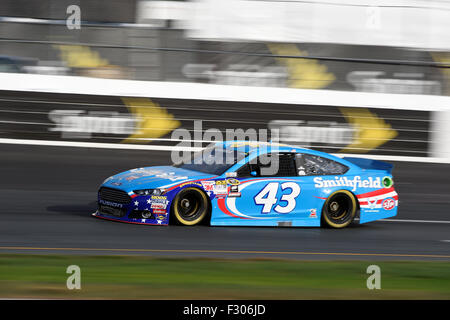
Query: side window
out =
(286, 165)
(244, 171)
(311, 165)
(280, 165)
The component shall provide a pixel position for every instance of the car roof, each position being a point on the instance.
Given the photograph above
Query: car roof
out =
(267, 147)
(252, 146)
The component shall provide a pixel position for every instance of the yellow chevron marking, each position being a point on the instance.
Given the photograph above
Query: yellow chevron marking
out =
(443, 57)
(303, 73)
(81, 57)
(153, 121)
(372, 131)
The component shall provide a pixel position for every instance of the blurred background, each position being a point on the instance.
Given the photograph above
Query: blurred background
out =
(90, 88)
(334, 48)
(364, 77)
(370, 45)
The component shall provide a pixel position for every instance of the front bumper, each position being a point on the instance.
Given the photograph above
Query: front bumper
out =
(152, 222)
(117, 205)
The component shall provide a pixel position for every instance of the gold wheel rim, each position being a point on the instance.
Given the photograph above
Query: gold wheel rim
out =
(195, 221)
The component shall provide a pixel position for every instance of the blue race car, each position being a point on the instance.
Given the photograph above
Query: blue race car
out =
(291, 187)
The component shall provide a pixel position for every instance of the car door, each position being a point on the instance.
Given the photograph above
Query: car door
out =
(266, 194)
(310, 167)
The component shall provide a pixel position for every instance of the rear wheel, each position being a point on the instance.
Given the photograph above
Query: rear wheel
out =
(339, 209)
(190, 207)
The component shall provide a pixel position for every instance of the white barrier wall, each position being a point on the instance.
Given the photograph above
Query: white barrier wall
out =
(440, 135)
(199, 91)
(400, 23)
(411, 108)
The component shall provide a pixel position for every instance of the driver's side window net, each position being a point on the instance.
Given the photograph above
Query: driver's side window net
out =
(275, 165)
(311, 165)
(244, 171)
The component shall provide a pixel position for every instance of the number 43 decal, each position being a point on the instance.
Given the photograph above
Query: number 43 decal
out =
(268, 197)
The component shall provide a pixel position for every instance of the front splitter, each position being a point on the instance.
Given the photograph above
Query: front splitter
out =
(134, 221)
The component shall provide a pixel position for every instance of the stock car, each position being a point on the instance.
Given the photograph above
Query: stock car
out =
(241, 183)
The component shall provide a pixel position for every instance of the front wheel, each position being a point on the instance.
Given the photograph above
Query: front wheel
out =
(339, 209)
(190, 206)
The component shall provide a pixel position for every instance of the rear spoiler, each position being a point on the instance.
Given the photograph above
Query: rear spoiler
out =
(370, 164)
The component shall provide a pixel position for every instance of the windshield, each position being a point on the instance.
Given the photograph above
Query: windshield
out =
(213, 160)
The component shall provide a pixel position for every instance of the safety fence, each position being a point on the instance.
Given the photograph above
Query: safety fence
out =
(156, 52)
(139, 113)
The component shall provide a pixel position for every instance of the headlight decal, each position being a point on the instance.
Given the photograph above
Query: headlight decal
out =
(148, 192)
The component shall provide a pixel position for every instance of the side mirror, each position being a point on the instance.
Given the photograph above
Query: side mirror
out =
(253, 173)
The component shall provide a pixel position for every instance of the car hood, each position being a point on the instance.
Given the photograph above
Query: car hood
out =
(152, 177)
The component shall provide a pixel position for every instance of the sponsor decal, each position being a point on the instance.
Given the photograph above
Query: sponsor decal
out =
(372, 203)
(160, 211)
(388, 182)
(234, 194)
(388, 204)
(313, 213)
(131, 178)
(160, 218)
(378, 200)
(158, 202)
(158, 205)
(221, 196)
(190, 183)
(116, 183)
(231, 174)
(109, 203)
(208, 185)
(234, 191)
(354, 183)
(158, 198)
(220, 189)
(233, 182)
(158, 173)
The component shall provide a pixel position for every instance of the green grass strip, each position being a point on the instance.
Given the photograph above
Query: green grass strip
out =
(138, 277)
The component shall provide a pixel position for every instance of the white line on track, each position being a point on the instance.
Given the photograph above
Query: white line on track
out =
(415, 221)
(96, 145)
(194, 149)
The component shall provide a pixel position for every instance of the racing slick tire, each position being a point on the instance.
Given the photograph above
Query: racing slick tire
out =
(339, 209)
(190, 207)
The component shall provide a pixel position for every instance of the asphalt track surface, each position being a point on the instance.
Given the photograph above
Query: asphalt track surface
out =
(49, 193)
